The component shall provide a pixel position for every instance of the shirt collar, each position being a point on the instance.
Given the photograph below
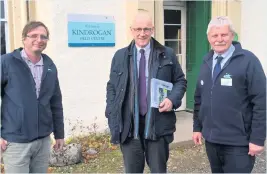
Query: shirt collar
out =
(226, 53)
(147, 48)
(27, 59)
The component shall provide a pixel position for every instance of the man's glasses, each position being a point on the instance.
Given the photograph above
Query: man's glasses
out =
(36, 36)
(139, 30)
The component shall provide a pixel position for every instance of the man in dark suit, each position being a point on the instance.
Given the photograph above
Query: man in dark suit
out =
(143, 132)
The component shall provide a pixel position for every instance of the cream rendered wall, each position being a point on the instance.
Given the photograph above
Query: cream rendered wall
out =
(149, 6)
(230, 8)
(234, 12)
(130, 12)
(83, 71)
(32, 10)
(17, 18)
(254, 28)
(159, 22)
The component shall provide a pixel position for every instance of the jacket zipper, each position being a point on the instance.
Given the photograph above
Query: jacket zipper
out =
(37, 97)
(147, 125)
(148, 99)
(211, 97)
(123, 94)
(213, 81)
(29, 71)
(136, 107)
(38, 118)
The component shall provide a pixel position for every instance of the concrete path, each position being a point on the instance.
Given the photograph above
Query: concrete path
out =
(184, 128)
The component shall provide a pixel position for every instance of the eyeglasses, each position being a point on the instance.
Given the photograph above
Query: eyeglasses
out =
(139, 30)
(36, 36)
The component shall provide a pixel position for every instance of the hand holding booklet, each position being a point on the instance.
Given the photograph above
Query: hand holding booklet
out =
(159, 91)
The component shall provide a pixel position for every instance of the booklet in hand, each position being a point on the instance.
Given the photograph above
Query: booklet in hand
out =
(159, 91)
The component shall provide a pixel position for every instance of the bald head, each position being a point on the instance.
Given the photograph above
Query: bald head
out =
(142, 16)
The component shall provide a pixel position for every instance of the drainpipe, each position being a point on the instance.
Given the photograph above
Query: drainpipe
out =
(28, 10)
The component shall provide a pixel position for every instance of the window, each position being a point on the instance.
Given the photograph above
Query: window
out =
(4, 27)
(174, 27)
(175, 32)
(172, 30)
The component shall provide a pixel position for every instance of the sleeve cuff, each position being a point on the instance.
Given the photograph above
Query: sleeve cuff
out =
(197, 129)
(177, 104)
(258, 142)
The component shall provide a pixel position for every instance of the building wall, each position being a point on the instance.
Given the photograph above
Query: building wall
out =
(159, 22)
(254, 28)
(232, 9)
(130, 11)
(17, 18)
(83, 71)
(149, 6)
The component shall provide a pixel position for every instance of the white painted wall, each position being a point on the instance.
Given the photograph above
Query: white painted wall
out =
(254, 28)
(84, 71)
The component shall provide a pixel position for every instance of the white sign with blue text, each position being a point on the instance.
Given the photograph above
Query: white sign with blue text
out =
(90, 30)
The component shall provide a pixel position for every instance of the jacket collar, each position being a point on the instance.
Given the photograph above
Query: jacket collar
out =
(238, 51)
(46, 60)
(155, 44)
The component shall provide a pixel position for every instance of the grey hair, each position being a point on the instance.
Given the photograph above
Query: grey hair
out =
(219, 21)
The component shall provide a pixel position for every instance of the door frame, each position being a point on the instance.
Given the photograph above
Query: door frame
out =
(183, 42)
(198, 17)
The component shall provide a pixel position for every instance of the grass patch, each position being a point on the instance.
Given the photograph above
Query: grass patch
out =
(97, 141)
(108, 158)
(105, 162)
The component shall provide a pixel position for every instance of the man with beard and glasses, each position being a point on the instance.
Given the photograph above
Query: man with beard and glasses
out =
(31, 104)
(230, 102)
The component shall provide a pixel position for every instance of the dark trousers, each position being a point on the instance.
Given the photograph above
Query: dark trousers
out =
(136, 151)
(229, 159)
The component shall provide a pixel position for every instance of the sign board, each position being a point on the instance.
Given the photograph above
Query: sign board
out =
(90, 30)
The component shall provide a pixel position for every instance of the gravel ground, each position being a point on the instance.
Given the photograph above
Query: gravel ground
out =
(183, 159)
(194, 160)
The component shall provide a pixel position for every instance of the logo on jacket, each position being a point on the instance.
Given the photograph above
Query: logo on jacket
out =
(226, 80)
(227, 76)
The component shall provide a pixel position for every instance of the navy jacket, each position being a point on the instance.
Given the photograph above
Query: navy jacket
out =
(164, 66)
(24, 117)
(232, 114)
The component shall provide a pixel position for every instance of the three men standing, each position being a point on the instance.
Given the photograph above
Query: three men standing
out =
(230, 101)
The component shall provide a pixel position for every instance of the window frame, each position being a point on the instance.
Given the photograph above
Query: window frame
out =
(182, 25)
(182, 56)
(5, 20)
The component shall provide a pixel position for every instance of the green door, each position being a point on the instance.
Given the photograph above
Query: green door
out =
(197, 19)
